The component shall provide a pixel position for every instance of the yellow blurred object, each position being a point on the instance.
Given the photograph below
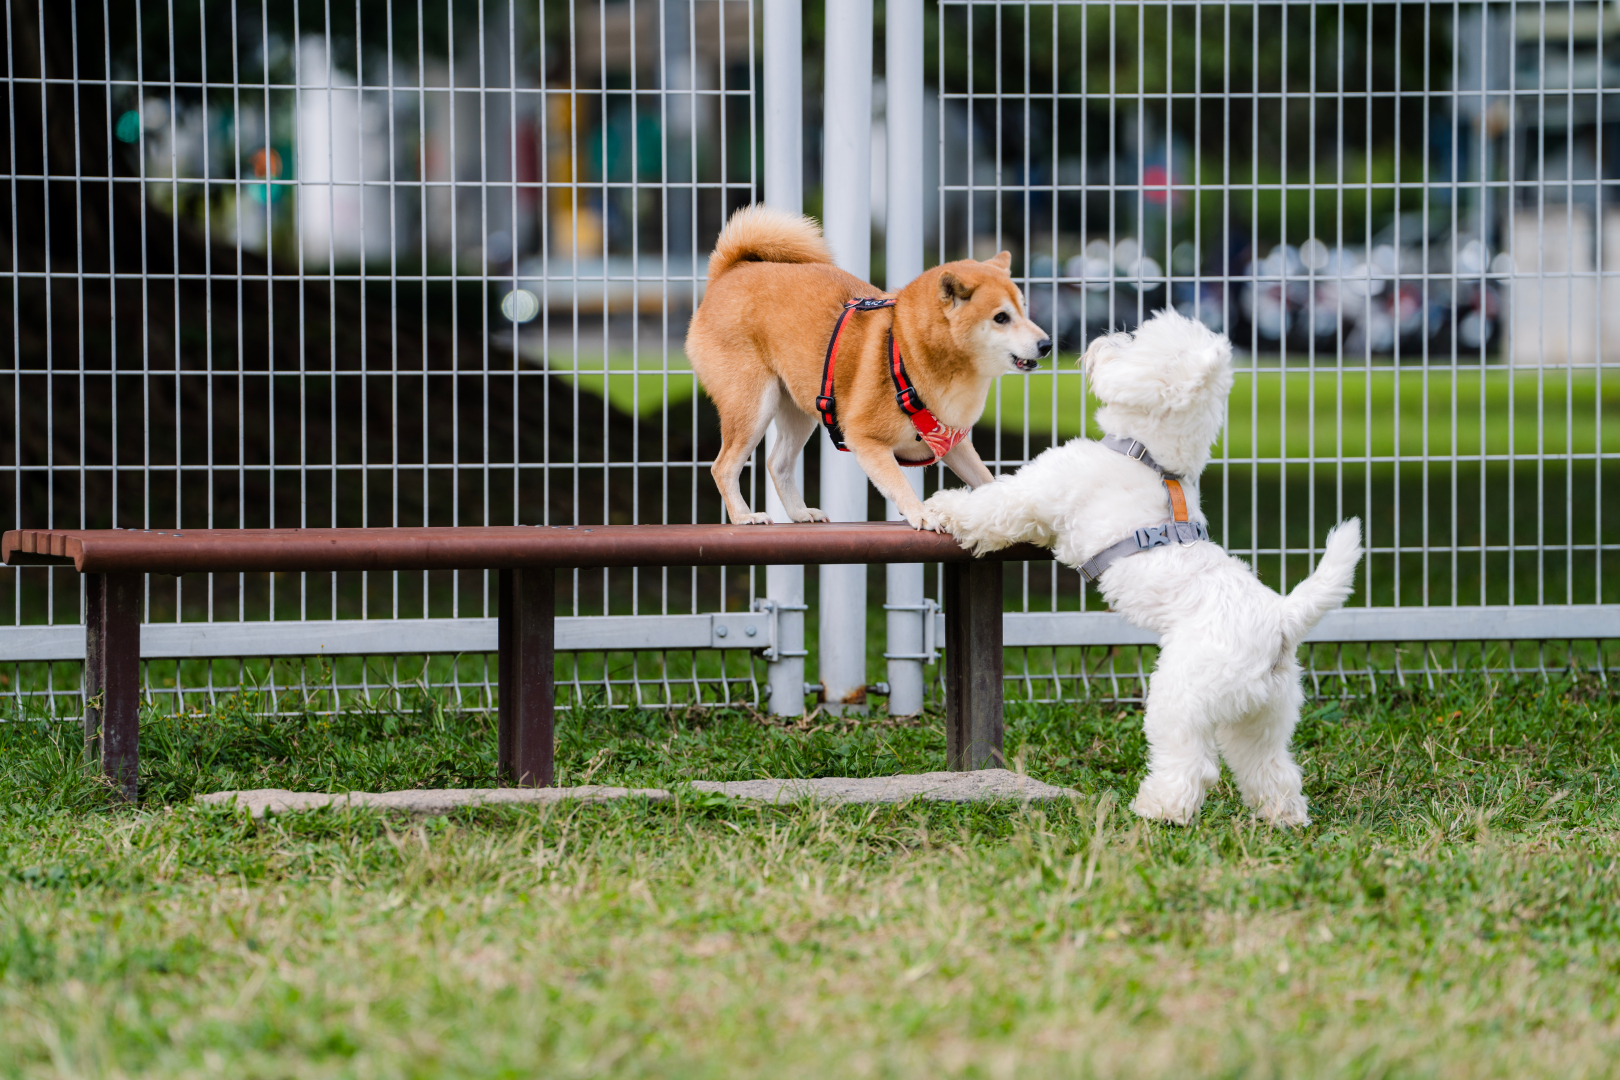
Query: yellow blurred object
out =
(573, 231)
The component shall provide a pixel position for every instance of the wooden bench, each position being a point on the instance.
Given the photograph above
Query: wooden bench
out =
(113, 562)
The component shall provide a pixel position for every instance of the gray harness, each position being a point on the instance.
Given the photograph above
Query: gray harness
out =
(1176, 531)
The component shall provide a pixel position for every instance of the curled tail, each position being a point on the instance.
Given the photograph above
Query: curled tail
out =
(1327, 586)
(760, 234)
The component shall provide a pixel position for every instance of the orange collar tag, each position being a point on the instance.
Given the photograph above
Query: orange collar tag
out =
(1178, 501)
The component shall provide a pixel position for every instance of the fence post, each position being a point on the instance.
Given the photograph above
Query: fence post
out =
(847, 221)
(784, 189)
(903, 260)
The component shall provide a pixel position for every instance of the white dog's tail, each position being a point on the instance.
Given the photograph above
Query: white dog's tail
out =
(1327, 586)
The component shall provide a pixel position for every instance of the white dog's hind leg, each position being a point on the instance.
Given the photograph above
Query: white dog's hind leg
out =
(1256, 749)
(1182, 753)
(793, 428)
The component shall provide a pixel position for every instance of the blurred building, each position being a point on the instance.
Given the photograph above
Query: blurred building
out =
(1555, 114)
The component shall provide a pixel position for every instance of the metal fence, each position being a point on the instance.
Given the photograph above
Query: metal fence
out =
(431, 263)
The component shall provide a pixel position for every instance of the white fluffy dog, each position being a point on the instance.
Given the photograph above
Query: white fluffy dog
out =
(1227, 682)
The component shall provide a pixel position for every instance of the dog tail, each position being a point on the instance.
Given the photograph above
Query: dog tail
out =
(760, 234)
(1327, 586)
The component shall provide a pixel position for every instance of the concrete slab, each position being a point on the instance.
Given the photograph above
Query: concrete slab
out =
(260, 801)
(983, 785)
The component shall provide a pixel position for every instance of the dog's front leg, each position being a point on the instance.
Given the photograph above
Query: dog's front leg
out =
(965, 462)
(1013, 510)
(877, 461)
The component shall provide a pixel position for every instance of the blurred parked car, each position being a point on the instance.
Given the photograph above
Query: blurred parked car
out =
(1427, 293)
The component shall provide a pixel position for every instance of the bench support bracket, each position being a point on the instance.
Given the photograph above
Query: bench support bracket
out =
(973, 666)
(527, 638)
(112, 677)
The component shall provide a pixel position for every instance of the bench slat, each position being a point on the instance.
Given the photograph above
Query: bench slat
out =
(104, 551)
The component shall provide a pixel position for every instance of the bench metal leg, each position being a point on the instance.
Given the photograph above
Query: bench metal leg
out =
(526, 679)
(972, 604)
(112, 677)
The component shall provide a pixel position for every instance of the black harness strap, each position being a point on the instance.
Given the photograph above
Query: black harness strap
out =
(905, 394)
(825, 405)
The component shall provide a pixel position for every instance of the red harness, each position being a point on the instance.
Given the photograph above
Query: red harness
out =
(939, 438)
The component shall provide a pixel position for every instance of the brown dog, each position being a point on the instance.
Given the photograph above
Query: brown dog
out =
(759, 345)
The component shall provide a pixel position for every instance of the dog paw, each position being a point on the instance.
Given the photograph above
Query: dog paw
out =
(1155, 811)
(1160, 801)
(812, 514)
(755, 519)
(923, 521)
(1289, 811)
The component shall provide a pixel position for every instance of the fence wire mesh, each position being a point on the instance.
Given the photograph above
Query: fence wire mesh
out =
(1404, 217)
(405, 263)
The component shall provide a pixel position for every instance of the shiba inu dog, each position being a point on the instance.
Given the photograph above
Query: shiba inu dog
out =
(782, 334)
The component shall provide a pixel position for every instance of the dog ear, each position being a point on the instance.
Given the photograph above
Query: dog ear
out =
(1118, 381)
(953, 291)
(1215, 366)
(1102, 346)
(1002, 260)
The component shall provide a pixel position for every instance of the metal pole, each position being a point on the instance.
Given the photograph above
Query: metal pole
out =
(847, 221)
(903, 260)
(784, 189)
(112, 678)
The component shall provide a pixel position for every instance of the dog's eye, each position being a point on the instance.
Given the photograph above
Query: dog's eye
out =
(1002, 317)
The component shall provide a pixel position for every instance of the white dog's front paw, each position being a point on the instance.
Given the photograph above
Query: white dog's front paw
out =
(812, 514)
(1177, 802)
(755, 519)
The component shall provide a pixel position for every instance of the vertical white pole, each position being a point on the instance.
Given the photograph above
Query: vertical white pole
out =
(847, 221)
(784, 189)
(903, 260)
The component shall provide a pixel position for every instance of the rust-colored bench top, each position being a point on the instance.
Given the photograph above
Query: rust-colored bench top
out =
(114, 560)
(490, 547)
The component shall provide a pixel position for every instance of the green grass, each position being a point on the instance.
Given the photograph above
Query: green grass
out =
(636, 384)
(1450, 913)
(1380, 411)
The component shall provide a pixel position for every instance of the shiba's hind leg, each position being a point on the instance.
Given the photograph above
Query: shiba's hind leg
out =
(744, 416)
(793, 428)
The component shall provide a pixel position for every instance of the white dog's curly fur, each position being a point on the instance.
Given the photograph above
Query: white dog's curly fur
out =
(1227, 682)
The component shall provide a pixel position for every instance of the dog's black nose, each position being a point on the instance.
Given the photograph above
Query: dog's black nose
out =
(1044, 346)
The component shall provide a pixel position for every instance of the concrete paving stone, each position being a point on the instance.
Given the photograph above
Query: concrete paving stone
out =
(983, 785)
(422, 801)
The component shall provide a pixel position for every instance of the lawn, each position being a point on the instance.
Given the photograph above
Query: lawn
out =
(1366, 411)
(1380, 411)
(1451, 912)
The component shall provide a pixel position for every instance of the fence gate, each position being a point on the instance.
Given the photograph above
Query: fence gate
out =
(431, 263)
